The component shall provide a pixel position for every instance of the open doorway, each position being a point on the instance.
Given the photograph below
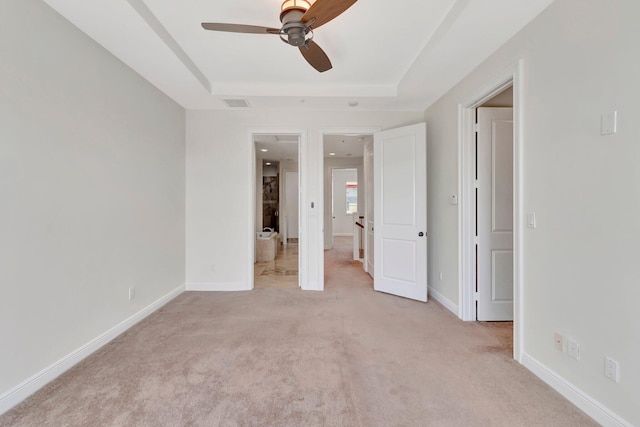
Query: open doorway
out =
(490, 223)
(345, 194)
(276, 263)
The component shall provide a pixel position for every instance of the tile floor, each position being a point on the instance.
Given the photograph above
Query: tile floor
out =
(281, 273)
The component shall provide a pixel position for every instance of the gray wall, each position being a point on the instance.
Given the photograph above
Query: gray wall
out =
(92, 191)
(580, 59)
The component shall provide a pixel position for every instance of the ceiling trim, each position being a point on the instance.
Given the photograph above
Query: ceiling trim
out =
(265, 89)
(157, 27)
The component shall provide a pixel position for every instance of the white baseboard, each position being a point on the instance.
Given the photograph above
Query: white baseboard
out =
(446, 302)
(25, 389)
(218, 287)
(586, 403)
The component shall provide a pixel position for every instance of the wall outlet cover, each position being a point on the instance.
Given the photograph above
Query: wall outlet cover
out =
(573, 349)
(611, 369)
(609, 123)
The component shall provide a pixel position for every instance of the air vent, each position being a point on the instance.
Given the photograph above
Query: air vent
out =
(237, 103)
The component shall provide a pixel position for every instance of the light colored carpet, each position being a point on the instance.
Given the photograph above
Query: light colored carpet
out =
(348, 356)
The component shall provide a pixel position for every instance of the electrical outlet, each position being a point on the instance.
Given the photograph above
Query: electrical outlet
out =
(132, 293)
(611, 369)
(609, 123)
(573, 348)
(558, 341)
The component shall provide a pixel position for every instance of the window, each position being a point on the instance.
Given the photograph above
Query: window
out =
(352, 197)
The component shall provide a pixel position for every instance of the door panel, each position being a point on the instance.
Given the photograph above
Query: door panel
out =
(502, 276)
(400, 211)
(399, 261)
(495, 214)
(398, 170)
(502, 175)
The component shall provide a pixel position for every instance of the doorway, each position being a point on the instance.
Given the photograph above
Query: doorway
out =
(399, 205)
(344, 196)
(344, 201)
(476, 261)
(277, 219)
(494, 209)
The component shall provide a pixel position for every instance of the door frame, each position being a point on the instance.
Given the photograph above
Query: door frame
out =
(511, 76)
(303, 248)
(320, 181)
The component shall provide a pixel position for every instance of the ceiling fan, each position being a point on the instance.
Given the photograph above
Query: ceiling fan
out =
(299, 18)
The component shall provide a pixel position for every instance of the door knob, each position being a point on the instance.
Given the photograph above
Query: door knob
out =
(420, 234)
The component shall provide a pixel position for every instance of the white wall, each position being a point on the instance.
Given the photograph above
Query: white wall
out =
(292, 205)
(329, 164)
(218, 147)
(580, 59)
(259, 194)
(91, 191)
(368, 207)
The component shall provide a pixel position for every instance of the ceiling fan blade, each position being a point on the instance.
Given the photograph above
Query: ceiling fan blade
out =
(315, 56)
(323, 11)
(239, 28)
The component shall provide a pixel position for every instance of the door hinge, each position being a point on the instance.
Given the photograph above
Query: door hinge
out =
(476, 296)
(476, 240)
(475, 183)
(476, 127)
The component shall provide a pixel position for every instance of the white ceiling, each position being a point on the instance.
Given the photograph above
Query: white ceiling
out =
(279, 147)
(386, 55)
(285, 147)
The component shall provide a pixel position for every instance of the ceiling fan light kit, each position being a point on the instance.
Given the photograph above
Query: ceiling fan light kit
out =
(302, 5)
(299, 18)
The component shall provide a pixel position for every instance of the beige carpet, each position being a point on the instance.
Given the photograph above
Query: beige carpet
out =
(277, 357)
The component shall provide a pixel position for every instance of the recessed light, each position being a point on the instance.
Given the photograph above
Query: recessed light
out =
(348, 154)
(353, 103)
(268, 163)
(332, 154)
(264, 150)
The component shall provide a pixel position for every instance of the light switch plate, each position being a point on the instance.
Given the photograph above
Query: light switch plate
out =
(531, 220)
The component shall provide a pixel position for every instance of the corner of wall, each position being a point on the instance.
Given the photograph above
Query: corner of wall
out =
(25, 389)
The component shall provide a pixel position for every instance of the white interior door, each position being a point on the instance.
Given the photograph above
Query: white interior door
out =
(495, 214)
(291, 191)
(400, 211)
